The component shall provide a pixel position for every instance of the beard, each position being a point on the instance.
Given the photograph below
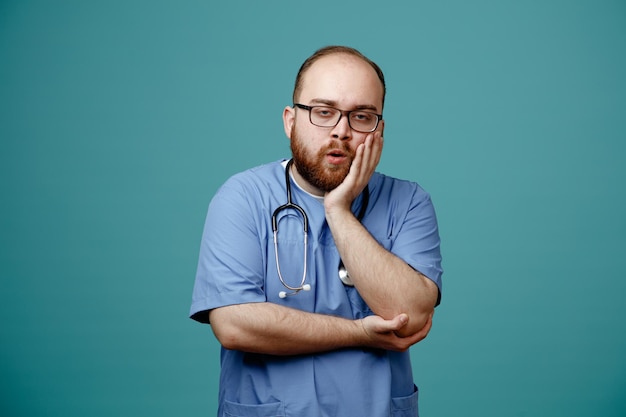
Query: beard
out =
(313, 168)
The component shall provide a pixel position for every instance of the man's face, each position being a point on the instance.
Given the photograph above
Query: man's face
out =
(323, 155)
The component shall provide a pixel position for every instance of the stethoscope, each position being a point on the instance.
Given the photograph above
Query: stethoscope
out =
(343, 272)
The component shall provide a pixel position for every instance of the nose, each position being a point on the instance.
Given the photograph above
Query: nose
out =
(342, 130)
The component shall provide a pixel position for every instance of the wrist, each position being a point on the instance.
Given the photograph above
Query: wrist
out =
(338, 214)
(361, 336)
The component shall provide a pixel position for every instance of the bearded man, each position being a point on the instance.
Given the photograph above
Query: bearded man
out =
(317, 273)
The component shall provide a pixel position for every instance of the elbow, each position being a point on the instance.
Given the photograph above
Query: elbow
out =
(224, 330)
(229, 338)
(420, 311)
(228, 341)
(418, 322)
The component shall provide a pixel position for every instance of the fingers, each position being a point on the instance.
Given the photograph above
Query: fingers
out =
(370, 152)
(366, 158)
(363, 165)
(399, 322)
(376, 149)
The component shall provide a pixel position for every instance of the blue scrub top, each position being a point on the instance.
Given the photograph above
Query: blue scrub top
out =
(237, 265)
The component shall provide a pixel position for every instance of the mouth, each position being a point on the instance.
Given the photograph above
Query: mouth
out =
(336, 156)
(336, 152)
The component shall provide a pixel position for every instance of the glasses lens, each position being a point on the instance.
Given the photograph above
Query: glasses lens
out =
(363, 121)
(324, 116)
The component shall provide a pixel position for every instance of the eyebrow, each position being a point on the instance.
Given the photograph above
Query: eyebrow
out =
(333, 103)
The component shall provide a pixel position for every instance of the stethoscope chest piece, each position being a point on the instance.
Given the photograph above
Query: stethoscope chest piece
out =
(344, 276)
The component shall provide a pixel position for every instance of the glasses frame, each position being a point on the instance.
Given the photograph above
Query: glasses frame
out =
(379, 117)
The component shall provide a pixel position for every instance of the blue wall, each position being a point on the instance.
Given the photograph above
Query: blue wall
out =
(119, 120)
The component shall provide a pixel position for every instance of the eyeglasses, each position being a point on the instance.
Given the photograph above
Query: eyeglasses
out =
(359, 120)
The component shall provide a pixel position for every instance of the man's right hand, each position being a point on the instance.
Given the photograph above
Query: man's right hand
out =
(381, 333)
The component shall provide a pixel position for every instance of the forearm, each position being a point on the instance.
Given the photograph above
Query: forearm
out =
(388, 284)
(276, 330)
(273, 329)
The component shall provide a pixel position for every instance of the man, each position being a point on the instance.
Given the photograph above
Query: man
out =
(301, 336)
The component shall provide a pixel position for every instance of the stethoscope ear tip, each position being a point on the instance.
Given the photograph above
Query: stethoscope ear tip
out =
(306, 287)
(282, 294)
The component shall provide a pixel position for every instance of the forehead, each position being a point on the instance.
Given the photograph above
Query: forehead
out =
(343, 79)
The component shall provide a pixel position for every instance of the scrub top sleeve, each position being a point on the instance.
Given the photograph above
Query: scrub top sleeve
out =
(418, 240)
(231, 261)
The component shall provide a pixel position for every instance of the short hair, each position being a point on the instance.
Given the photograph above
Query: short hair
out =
(335, 49)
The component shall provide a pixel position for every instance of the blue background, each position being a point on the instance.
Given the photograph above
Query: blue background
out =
(119, 120)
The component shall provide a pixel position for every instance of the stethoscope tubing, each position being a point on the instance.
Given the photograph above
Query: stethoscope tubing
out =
(343, 274)
(305, 228)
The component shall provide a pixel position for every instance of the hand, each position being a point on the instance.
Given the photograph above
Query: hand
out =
(363, 166)
(381, 333)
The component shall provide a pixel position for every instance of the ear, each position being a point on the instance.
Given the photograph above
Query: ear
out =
(381, 127)
(289, 117)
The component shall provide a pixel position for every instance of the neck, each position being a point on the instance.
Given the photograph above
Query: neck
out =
(303, 184)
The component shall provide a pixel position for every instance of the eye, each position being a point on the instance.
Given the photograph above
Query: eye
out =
(362, 116)
(324, 112)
